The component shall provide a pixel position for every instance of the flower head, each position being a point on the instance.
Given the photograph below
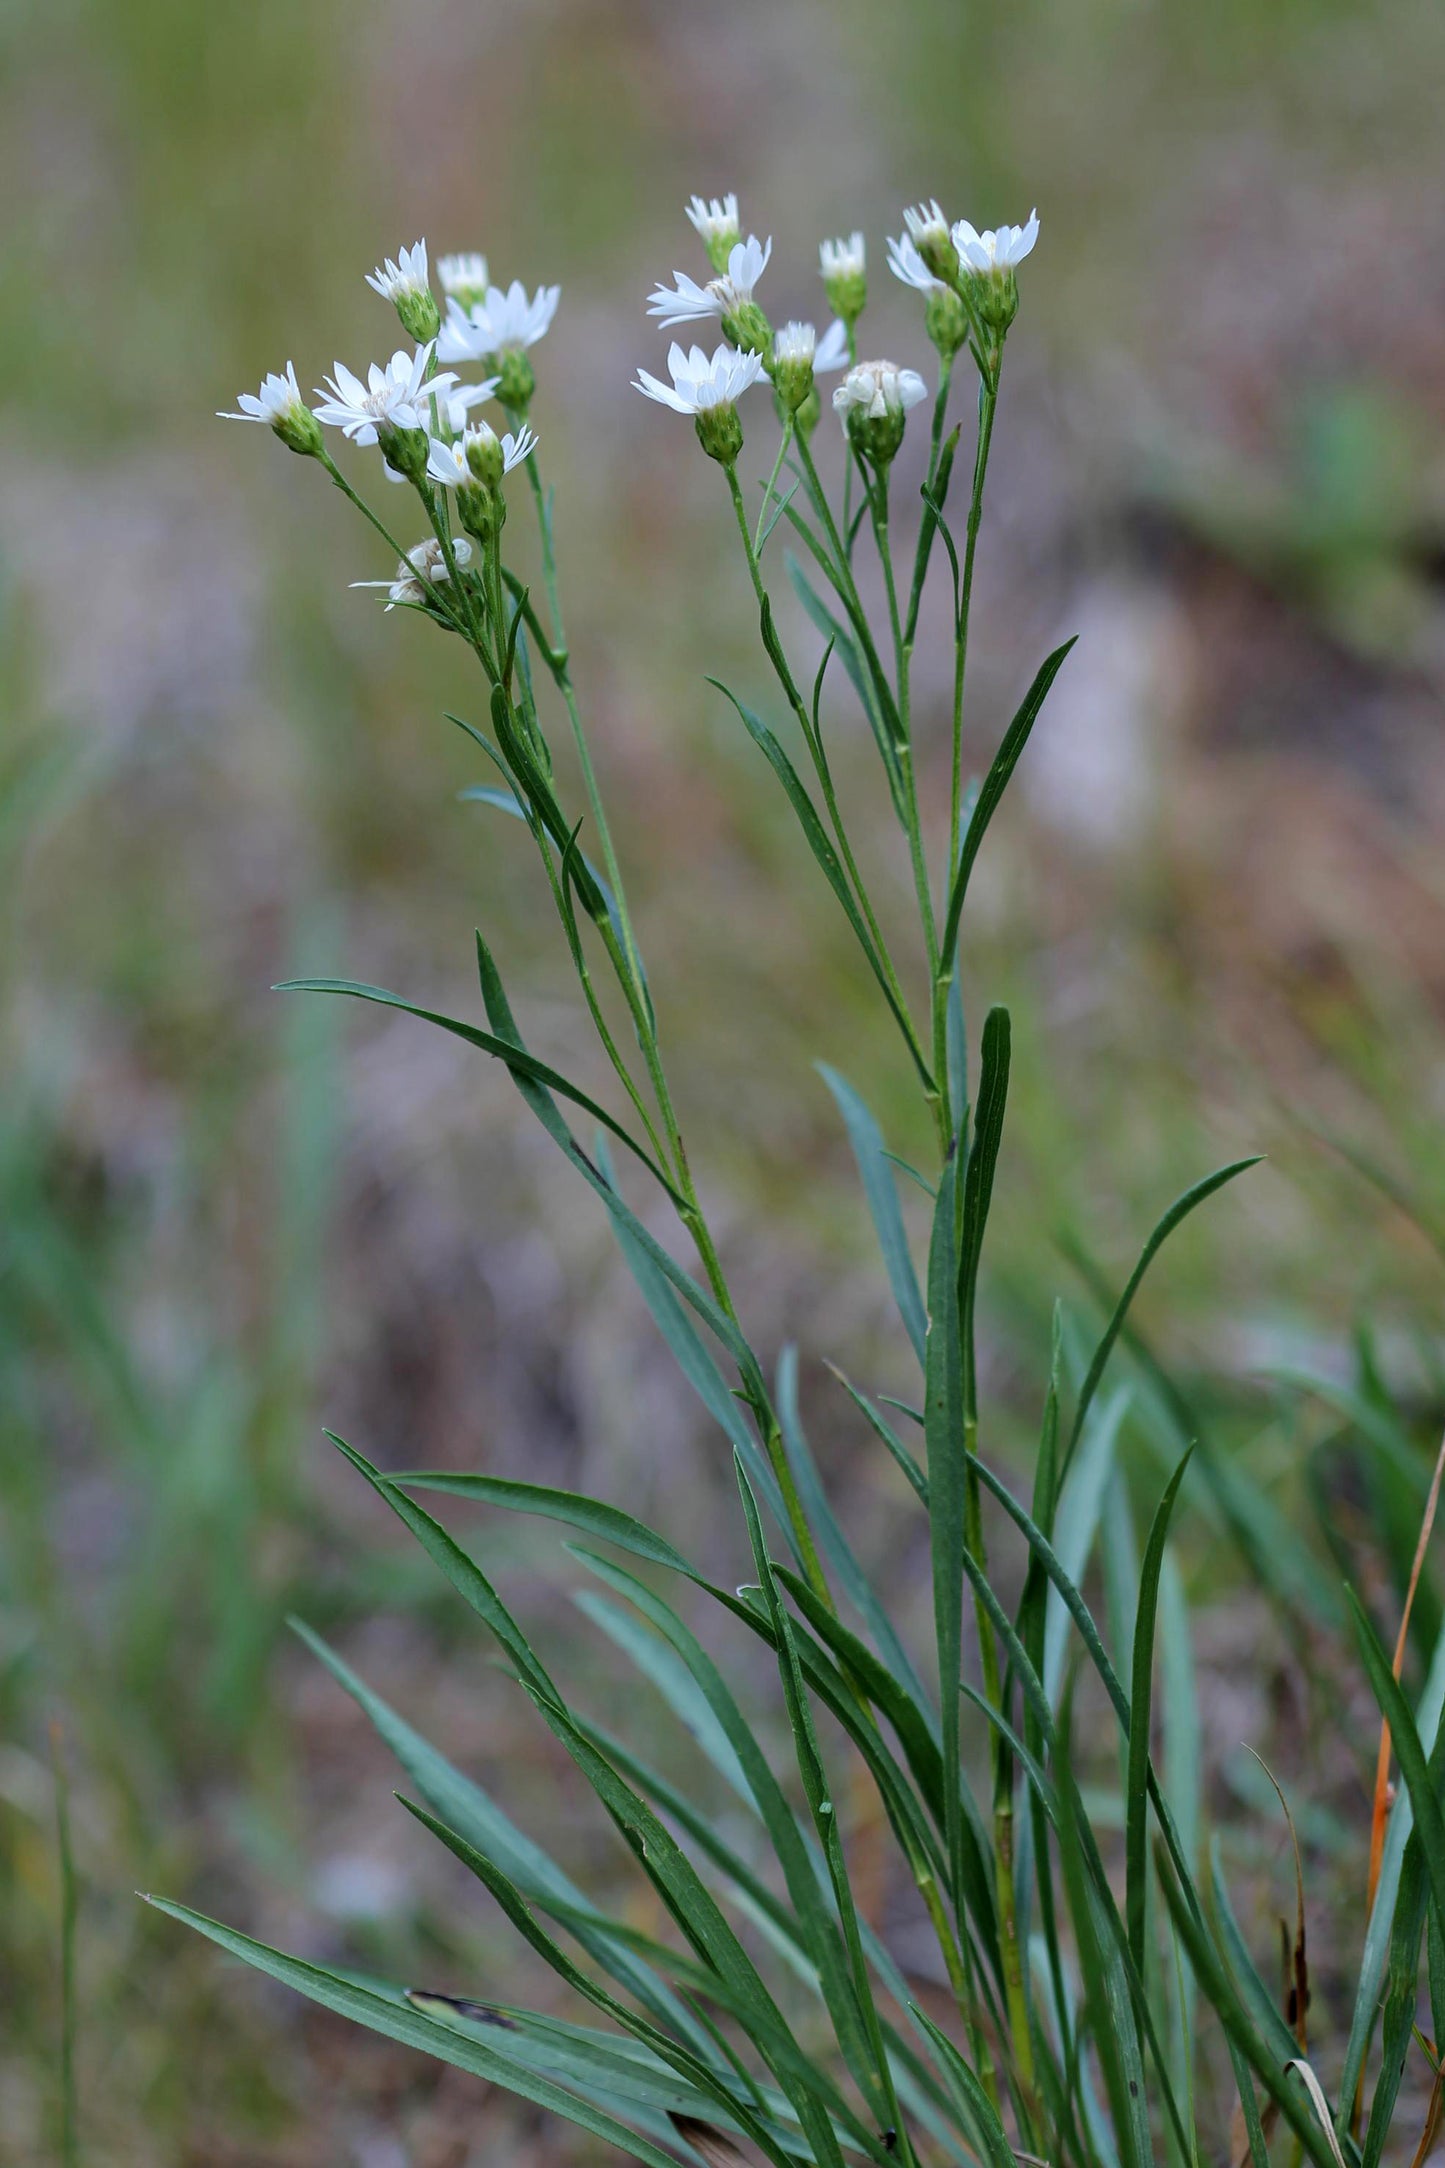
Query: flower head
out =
(727, 296)
(422, 567)
(799, 354)
(393, 398)
(905, 263)
(989, 262)
(944, 316)
(280, 406)
(700, 381)
(844, 268)
(461, 465)
(928, 231)
(707, 388)
(458, 404)
(1002, 250)
(464, 278)
(873, 400)
(499, 323)
(498, 329)
(405, 284)
(715, 221)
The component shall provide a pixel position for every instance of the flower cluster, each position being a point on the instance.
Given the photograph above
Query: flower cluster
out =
(419, 415)
(416, 409)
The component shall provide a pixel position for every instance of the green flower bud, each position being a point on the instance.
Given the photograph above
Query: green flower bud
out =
(485, 456)
(518, 378)
(791, 367)
(715, 221)
(945, 319)
(845, 280)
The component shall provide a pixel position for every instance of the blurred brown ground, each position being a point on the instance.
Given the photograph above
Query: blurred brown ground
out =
(1218, 905)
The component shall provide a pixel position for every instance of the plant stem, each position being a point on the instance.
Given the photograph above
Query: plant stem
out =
(987, 406)
(825, 778)
(783, 443)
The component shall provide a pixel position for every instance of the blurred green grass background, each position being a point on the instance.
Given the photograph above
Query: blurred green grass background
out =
(1216, 910)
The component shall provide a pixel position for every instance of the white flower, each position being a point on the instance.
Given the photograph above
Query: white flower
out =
(905, 263)
(686, 301)
(926, 223)
(408, 275)
(999, 251)
(714, 219)
(278, 400)
(426, 562)
(796, 342)
(396, 397)
(843, 259)
(832, 352)
(498, 323)
(459, 403)
(465, 275)
(451, 463)
(699, 381)
(879, 388)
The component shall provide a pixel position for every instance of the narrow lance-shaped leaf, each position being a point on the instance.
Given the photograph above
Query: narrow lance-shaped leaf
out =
(1136, 1790)
(1177, 1212)
(1015, 738)
(881, 1192)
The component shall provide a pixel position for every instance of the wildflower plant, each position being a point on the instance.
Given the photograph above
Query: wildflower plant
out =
(1100, 2000)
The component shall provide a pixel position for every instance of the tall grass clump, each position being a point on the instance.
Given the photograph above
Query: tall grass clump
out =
(1092, 1998)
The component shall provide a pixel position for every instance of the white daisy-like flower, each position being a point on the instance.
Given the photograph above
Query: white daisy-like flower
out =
(686, 302)
(278, 400)
(499, 323)
(701, 381)
(926, 225)
(846, 259)
(395, 397)
(451, 464)
(905, 263)
(714, 219)
(879, 388)
(796, 342)
(464, 275)
(425, 563)
(1001, 250)
(408, 275)
(458, 404)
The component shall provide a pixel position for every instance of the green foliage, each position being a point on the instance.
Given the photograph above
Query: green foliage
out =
(761, 2008)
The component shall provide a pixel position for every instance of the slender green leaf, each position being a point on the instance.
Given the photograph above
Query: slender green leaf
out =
(881, 1192)
(1140, 1701)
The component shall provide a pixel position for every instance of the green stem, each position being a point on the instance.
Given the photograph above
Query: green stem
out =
(783, 443)
(929, 526)
(987, 406)
(824, 773)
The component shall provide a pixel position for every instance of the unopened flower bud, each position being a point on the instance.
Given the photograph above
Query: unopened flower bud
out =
(715, 221)
(807, 416)
(516, 379)
(792, 365)
(484, 455)
(945, 319)
(464, 278)
(720, 433)
(928, 231)
(404, 284)
(844, 265)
